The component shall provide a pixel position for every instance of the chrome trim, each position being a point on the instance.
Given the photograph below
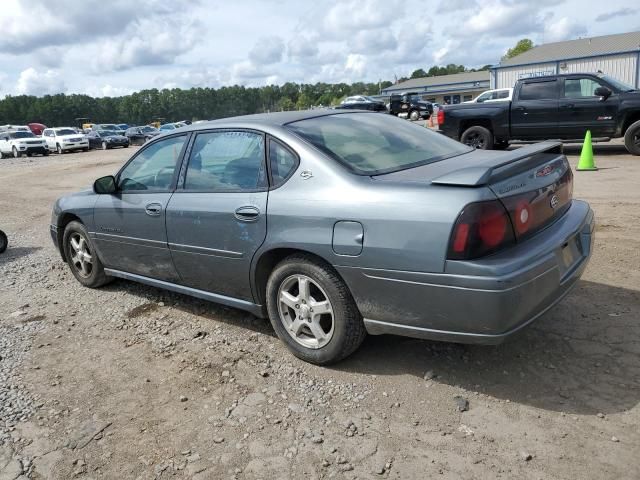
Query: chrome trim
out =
(178, 247)
(142, 242)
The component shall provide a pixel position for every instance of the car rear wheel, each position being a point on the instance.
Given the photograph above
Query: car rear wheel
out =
(4, 242)
(312, 311)
(81, 256)
(16, 153)
(478, 137)
(632, 138)
(104, 145)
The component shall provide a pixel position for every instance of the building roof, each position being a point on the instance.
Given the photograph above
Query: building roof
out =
(583, 47)
(441, 80)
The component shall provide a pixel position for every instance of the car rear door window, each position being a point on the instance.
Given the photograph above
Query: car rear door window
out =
(227, 161)
(282, 162)
(539, 91)
(153, 168)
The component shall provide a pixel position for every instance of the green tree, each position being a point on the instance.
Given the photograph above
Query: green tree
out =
(521, 47)
(419, 73)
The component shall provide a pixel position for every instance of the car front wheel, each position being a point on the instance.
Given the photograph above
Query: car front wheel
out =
(632, 138)
(16, 153)
(59, 149)
(312, 311)
(104, 145)
(414, 116)
(81, 256)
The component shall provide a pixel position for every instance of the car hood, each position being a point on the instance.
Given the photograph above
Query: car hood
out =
(75, 135)
(115, 137)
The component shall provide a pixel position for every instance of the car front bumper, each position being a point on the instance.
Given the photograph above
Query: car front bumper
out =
(75, 145)
(481, 301)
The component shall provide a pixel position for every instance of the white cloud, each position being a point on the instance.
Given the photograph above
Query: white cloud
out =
(267, 50)
(562, 29)
(33, 82)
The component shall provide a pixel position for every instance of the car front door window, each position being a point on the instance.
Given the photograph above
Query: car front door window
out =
(580, 87)
(153, 168)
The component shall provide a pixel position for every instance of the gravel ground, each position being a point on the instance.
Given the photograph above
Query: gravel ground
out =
(133, 382)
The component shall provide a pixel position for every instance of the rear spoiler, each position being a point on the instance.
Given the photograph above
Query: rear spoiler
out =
(500, 166)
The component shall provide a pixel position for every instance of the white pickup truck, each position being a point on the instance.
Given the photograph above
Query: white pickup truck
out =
(18, 143)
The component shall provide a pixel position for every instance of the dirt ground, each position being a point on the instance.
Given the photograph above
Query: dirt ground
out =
(132, 382)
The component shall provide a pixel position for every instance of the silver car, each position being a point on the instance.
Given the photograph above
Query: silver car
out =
(337, 224)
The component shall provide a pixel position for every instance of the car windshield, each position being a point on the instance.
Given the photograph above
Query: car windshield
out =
(623, 87)
(148, 129)
(107, 133)
(21, 134)
(109, 126)
(66, 131)
(374, 144)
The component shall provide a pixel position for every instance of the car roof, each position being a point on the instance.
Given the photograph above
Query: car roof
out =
(274, 119)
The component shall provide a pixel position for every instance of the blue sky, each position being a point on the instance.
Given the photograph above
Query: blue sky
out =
(115, 47)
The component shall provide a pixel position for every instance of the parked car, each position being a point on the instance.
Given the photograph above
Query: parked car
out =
(560, 107)
(334, 224)
(497, 95)
(140, 135)
(19, 142)
(111, 127)
(171, 126)
(361, 102)
(410, 105)
(37, 128)
(14, 128)
(65, 139)
(123, 126)
(106, 139)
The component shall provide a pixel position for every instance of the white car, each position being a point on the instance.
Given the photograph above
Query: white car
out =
(14, 128)
(64, 139)
(498, 95)
(17, 143)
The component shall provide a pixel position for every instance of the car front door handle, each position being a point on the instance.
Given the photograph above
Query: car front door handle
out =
(153, 209)
(247, 213)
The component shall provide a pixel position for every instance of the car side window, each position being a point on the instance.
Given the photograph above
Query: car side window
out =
(545, 90)
(227, 162)
(282, 162)
(580, 87)
(153, 168)
(503, 94)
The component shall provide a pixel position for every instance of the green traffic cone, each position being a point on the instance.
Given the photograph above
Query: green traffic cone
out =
(586, 155)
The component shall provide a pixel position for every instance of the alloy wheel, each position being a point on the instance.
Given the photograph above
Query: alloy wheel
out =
(305, 311)
(104, 145)
(475, 140)
(81, 255)
(15, 152)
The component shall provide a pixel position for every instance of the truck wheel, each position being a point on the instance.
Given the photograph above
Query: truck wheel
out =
(478, 137)
(632, 138)
(312, 311)
(414, 116)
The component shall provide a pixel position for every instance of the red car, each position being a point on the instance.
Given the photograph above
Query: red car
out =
(36, 128)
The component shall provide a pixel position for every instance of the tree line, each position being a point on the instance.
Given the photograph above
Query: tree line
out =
(168, 105)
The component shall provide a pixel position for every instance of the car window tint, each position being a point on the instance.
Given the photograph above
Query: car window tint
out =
(372, 144)
(503, 94)
(580, 87)
(152, 169)
(281, 161)
(539, 91)
(226, 161)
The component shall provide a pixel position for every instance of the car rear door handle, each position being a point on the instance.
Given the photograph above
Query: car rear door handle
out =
(153, 209)
(247, 213)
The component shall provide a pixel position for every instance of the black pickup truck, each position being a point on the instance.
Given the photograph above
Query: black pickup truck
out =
(561, 107)
(411, 105)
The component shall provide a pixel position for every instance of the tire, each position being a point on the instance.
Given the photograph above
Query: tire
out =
(29, 154)
(414, 115)
(632, 138)
(46, 153)
(343, 327)
(4, 242)
(85, 149)
(15, 152)
(104, 145)
(91, 275)
(59, 149)
(478, 137)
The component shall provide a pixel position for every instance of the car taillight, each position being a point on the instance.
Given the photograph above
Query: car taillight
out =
(481, 229)
(440, 116)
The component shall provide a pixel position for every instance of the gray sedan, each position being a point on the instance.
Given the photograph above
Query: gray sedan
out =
(335, 225)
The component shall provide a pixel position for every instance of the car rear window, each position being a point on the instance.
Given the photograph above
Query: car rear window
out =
(374, 143)
(544, 90)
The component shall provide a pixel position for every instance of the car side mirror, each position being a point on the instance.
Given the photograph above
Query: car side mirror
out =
(603, 93)
(105, 185)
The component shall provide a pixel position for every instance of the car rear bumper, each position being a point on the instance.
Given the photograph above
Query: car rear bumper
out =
(481, 301)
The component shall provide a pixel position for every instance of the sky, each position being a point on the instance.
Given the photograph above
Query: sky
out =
(115, 47)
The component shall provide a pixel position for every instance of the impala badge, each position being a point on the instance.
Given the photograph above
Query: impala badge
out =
(554, 201)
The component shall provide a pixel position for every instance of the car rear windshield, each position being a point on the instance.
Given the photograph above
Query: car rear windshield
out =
(374, 143)
(21, 134)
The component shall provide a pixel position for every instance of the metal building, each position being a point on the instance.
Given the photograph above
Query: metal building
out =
(615, 55)
(445, 89)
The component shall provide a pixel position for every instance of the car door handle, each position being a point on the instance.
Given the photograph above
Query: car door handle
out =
(567, 105)
(521, 109)
(153, 209)
(247, 214)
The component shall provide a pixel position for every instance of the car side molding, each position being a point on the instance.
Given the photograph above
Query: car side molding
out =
(257, 310)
